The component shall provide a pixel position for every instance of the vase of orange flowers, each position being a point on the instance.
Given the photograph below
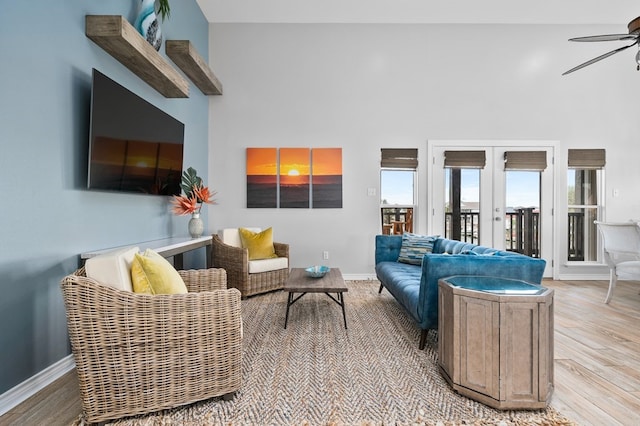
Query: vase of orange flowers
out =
(196, 225)
(195, 195)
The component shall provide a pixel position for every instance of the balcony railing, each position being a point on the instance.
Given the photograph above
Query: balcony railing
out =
(522, 233)
(521, 230)
(469, 227)
(396, 220)
(575, 236)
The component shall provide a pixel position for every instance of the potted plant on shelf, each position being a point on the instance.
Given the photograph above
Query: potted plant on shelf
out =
(195, 195)
(164, 9)
(147, 20)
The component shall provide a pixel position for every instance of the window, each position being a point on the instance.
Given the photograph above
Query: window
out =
(523, 173)
(584, 202)
(397, 189)
(462, 194)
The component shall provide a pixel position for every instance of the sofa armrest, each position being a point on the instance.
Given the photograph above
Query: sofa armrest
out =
(437, 266)
(388, 248)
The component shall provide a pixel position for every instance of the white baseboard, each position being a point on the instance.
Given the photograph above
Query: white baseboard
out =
(32, 385)
(359, 277)
(583, 277)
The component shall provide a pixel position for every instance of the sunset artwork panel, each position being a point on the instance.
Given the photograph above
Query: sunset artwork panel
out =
(294, 177)
(326, 180)
(262, 177)
(295, 167)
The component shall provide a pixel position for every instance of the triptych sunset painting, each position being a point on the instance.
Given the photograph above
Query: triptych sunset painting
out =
(294, 177)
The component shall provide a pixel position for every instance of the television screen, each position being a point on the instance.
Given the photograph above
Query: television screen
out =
(134, 146)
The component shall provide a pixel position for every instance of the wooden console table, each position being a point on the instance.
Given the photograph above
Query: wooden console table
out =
(167, 247)
(495, 340)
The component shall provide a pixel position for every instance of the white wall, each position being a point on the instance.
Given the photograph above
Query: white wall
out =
(363, 87)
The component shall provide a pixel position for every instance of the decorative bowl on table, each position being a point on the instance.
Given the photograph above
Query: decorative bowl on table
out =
(316, 271)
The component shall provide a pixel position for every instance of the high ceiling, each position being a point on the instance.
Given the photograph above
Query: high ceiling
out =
(615, 12)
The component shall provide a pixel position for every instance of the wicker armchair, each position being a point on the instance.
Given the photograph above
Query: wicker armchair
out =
(235, 260)
(137, 353)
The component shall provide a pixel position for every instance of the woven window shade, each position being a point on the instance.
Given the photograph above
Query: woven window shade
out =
(399, 158)
(587, 158)
(465, 159)
(535, 161)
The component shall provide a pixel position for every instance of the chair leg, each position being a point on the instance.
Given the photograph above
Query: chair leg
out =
(380, 289)
(612, 285)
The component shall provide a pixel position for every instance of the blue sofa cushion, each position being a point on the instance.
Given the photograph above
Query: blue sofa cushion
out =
(388, 248)
(473, 253)
(414, 247)
(406, 284)
(444, 245)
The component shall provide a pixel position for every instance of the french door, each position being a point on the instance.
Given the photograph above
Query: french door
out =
(494, 193)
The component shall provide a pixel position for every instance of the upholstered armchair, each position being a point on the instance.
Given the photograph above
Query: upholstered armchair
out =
(138, 353)
(249, 276)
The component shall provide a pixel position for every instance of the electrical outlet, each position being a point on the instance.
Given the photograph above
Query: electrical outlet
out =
(325, 255)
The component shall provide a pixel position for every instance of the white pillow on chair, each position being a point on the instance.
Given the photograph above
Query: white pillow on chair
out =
(231, 236)
(112, 268)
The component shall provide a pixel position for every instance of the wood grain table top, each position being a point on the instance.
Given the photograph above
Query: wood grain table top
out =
(299, 282)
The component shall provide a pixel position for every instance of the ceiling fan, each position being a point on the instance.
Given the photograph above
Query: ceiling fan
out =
(634, 35)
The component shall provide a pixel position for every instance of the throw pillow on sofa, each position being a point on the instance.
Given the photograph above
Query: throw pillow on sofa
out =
(153, 274)
(414, 247)
(259, 244)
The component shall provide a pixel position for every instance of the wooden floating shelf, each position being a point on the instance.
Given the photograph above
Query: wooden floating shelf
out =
(117, 36)
(187, 58)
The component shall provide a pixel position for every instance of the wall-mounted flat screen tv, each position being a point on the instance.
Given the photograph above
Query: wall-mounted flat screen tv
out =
(134, 146)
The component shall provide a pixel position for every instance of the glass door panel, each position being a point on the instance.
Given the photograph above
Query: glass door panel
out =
(522, 212)
(462, 204)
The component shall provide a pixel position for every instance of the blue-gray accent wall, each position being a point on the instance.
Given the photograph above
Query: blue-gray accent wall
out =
(46, 214)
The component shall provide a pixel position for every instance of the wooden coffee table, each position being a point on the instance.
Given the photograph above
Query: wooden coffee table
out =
(299, 282)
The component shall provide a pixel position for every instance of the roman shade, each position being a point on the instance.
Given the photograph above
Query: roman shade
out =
(399, 158)
(535, 161)
(465, 159)
(586, 158)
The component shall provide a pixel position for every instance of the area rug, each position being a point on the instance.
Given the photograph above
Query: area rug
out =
(317, 373)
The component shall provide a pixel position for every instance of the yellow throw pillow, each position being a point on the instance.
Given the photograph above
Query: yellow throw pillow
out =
(259, 244)
(153, 274)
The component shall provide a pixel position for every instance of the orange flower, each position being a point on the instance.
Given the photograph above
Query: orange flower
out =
(185, 205)
(196, 194)
(203, 194)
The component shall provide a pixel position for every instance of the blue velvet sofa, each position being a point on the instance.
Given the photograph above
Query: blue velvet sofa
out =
(415, 287)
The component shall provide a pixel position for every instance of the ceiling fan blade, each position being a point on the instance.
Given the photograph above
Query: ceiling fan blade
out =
(599, 58)
(606, 37)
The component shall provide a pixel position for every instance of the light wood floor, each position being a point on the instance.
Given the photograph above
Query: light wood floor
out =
(597, 362)
(597, 352)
